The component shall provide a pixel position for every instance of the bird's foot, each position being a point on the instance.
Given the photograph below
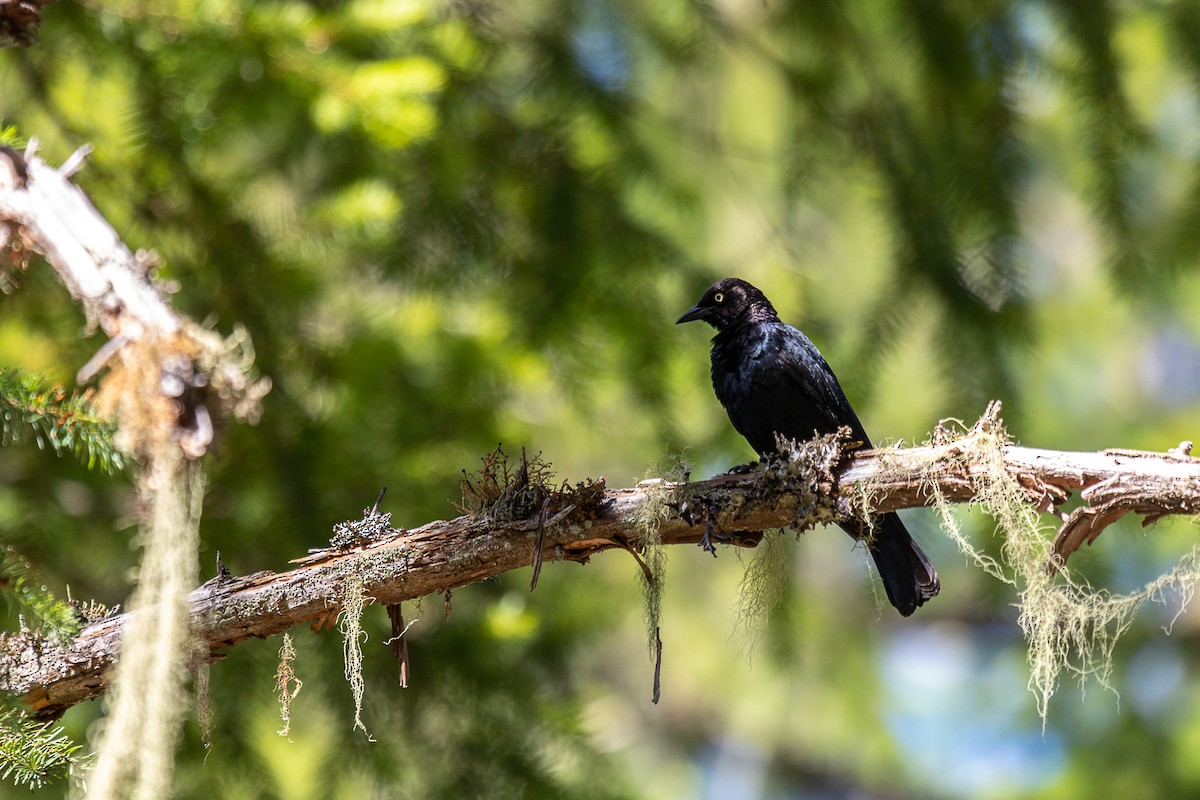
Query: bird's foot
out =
(710, 536)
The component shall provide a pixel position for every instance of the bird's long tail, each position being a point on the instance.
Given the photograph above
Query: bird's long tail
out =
(908, 577)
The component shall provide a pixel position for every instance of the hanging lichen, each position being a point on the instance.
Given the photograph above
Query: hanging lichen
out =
(654, 564)
(204, 712)
(763, 586)
(138, 738)
(1068, 625)
(287, 685)
(661, 494)
(353, 636)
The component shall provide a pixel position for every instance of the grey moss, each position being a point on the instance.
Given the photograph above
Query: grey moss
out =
(650, 515)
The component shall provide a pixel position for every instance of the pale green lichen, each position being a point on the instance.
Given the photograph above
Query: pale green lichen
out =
(650, 515)
(204, 713)
(287, 685)
(353, 636)
(1068, 625)
(763, 586)
(799, 479)
(660, 493)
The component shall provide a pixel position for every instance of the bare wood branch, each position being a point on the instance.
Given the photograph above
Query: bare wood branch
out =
(57, 220)
(164, 370)
(444, 555)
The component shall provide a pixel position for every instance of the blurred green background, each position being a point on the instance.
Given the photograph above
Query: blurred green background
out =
(451, 225)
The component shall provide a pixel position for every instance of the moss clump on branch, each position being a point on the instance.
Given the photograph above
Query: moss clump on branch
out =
(507, 492)
(373, 526)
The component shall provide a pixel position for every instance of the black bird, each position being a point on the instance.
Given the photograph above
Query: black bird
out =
(772, 380)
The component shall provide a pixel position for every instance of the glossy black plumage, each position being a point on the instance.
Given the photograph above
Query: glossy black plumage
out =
(771, 379)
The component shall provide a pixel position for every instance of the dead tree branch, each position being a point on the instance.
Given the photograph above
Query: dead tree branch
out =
(162, 376)
(164, 371)
(817, 484)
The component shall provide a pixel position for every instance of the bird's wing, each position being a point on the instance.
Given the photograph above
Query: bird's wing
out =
(818, 400)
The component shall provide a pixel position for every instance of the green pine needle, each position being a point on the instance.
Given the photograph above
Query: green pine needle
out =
(10, 138)
(62, 422)
(32, 600)
(34, 754)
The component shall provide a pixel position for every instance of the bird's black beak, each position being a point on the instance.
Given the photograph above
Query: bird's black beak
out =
(694, 313)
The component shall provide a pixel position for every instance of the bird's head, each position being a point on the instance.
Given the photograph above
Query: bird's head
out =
(731, 302)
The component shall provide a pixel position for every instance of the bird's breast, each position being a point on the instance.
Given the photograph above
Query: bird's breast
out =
(738, 368)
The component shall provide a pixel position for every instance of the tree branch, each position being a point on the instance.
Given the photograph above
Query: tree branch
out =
(162, 375)
(815, 484)
(164, 371)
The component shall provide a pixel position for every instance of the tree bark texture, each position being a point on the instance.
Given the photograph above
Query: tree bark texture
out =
(818, 483)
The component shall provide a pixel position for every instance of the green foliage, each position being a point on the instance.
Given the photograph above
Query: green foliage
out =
(9, 136)
(64, 423)
(34, 754)
(450, 225)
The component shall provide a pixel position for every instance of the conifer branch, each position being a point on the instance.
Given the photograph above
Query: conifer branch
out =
(34, 754)
(59, 421)
(35, 604)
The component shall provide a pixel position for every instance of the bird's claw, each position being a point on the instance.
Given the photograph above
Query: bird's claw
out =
(710, 536)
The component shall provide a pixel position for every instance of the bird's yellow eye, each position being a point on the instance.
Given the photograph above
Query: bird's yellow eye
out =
(718, 298)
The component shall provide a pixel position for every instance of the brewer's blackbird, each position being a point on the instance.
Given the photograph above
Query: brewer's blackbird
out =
(772, 380)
